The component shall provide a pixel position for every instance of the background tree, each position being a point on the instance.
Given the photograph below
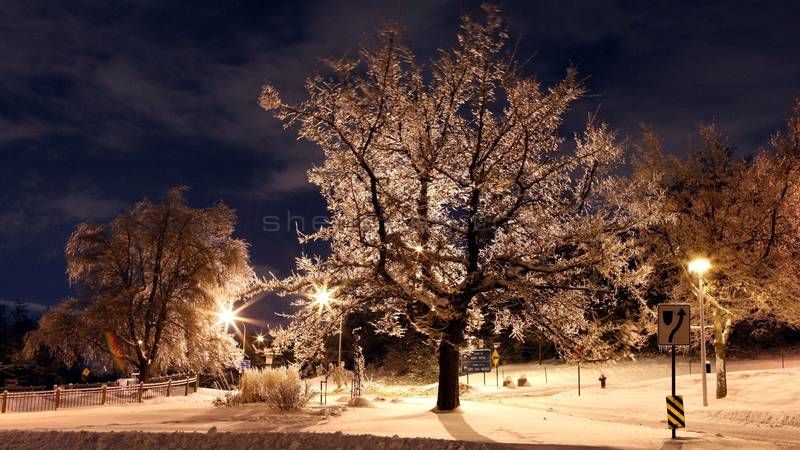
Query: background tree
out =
(456, 206)
(150, 282)
(741, 213)
(15, 322)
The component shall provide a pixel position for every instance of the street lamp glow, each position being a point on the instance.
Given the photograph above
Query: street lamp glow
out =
(699, 266)
(260, 338)
(322, 296)
(227, 316)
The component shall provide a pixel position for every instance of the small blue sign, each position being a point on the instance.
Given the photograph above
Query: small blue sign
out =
(244, 364)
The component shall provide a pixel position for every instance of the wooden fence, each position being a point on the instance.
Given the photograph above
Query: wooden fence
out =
(104, 394)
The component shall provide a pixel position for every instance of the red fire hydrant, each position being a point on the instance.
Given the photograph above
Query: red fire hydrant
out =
(602, 381)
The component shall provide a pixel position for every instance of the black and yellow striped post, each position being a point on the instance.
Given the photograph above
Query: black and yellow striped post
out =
(676, 417)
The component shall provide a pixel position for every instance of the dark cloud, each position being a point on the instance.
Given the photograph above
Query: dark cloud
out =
(103, 103)
(34, 309)
(674, 65)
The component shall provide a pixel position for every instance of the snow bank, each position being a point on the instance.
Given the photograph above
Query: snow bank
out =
(749, 417)
(762, 398)
(23, 440)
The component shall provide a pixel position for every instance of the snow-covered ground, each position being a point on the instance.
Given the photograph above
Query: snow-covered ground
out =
(761, 411)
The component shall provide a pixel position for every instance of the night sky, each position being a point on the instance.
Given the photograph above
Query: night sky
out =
(103, 103)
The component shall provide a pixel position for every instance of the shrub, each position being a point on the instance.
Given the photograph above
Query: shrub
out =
(289, 393)
(231, 399)
(280, 388)
(254, 383)
(416, 363)
(341, 377)
(369, 385)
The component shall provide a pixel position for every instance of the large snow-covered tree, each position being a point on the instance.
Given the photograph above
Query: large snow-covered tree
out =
(456, 206)
(150, 283)
(743, 215)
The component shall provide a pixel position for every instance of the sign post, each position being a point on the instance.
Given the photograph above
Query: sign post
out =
(476, 361)
(496, 364)
(674, 330)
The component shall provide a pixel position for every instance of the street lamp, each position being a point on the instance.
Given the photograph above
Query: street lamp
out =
(227, 317)
(700, 266)
(323, 297)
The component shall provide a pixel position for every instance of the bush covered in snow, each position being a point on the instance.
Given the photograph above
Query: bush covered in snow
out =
(280, 388)
(230, 399)
(254, 383)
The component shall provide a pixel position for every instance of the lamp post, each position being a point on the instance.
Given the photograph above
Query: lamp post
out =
(700, 266)
(244, 339)
(323, 297)
(227, 317)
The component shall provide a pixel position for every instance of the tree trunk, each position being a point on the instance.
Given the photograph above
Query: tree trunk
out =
(144, 369)
(447, 399)
(722, 379)
(722, 331)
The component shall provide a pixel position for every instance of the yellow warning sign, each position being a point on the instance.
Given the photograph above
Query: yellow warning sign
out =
(495, 358)
(675, 413)
(85, 372)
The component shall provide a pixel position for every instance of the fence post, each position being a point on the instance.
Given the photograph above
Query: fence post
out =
(5, 400)
(57, 395)
(196, 382)
(103, 395)
(141, 390)
(186, 391)
(169, 386)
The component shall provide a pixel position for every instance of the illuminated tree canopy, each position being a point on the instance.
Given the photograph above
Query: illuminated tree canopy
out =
(150, 280)
(456, 205)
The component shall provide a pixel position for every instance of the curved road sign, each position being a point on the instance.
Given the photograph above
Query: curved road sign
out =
(674, 321)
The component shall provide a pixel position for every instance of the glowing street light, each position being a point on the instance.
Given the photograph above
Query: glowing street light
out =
(228, 317)
(260, 338)
(323, 297)
(700, 266)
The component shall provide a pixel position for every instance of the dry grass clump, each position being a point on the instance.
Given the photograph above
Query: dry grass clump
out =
(280, 388)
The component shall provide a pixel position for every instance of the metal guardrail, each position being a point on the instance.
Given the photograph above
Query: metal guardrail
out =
(75, 397)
